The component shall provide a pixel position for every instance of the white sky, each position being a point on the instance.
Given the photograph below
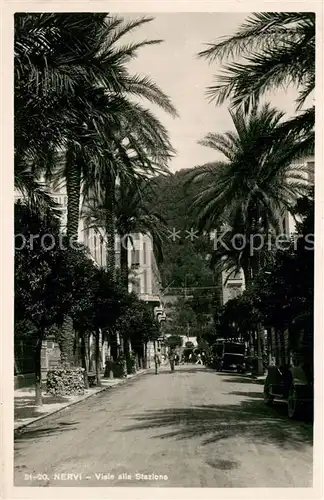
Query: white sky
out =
(184, 77)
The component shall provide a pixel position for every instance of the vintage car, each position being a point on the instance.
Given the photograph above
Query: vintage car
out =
(291, 384)
(230, 356)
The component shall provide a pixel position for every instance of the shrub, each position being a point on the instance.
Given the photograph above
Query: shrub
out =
(119, 367)
(131, 364)
(65, 381)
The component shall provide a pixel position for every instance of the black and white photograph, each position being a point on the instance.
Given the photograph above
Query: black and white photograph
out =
(164, 187)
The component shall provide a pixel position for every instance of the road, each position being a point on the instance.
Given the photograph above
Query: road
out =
(190, 428)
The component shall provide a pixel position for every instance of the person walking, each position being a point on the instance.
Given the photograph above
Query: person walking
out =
(157, 361)
(199, 360)
(172, 359)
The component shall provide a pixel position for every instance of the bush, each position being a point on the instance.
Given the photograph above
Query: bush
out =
(120, 368)
(131, 364)
(117, 367)
(65, 381)
(109, 367)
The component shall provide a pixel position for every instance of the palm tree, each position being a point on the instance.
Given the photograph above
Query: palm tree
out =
(138, 150)
(76, 64)
(247, 194)
(270, 49)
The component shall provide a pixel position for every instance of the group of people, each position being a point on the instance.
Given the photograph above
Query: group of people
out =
(158, 360)
(174, 359)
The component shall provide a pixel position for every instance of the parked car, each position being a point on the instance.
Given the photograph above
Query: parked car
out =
(291, 384)
(230, 356)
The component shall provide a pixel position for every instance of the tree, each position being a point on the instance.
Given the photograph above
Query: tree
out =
(248, 194)
(89, 64)
(40, 300)
(270, 49)
(138, 324)
(282, 298)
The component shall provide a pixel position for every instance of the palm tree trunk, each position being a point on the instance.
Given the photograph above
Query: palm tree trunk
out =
(110, 229)
(98, 357)
(124, 262)
(145, 355)
(247, 275)
(73, 188)
(38, 371)
(66, 342)
(259, 350)
(84, 359)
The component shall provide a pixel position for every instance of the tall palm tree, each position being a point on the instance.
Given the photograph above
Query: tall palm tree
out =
(73, 67)
(77, 64)
(270, 50)
(247, 194)
(139, 149)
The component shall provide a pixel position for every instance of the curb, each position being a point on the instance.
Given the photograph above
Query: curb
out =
(87, 396)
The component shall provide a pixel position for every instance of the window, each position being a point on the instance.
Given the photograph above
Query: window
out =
(284, 225)
(95, 245)
(135, 257)
(86, 236)
(101, 250)
(144, 253)
(145, 281)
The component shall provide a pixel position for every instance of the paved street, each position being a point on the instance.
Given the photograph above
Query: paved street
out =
(196, 427)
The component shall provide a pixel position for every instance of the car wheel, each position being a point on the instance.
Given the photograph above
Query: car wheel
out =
(294, 405)
(267, 398)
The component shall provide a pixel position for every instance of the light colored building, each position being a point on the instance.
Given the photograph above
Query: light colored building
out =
(146, 280)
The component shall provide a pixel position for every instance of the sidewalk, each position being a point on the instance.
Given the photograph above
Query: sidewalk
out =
(25, 411)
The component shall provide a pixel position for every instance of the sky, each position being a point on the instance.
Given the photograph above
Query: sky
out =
(173, 65)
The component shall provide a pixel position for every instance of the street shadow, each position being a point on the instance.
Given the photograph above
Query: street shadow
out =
(223, 464)
(24, 407)
(33, 434)
(239, 379)
(249, 419)
(192, 371)
(249, 394)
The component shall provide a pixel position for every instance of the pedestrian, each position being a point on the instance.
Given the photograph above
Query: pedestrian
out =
(157, 361)
(172, 359)
(199, 361)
